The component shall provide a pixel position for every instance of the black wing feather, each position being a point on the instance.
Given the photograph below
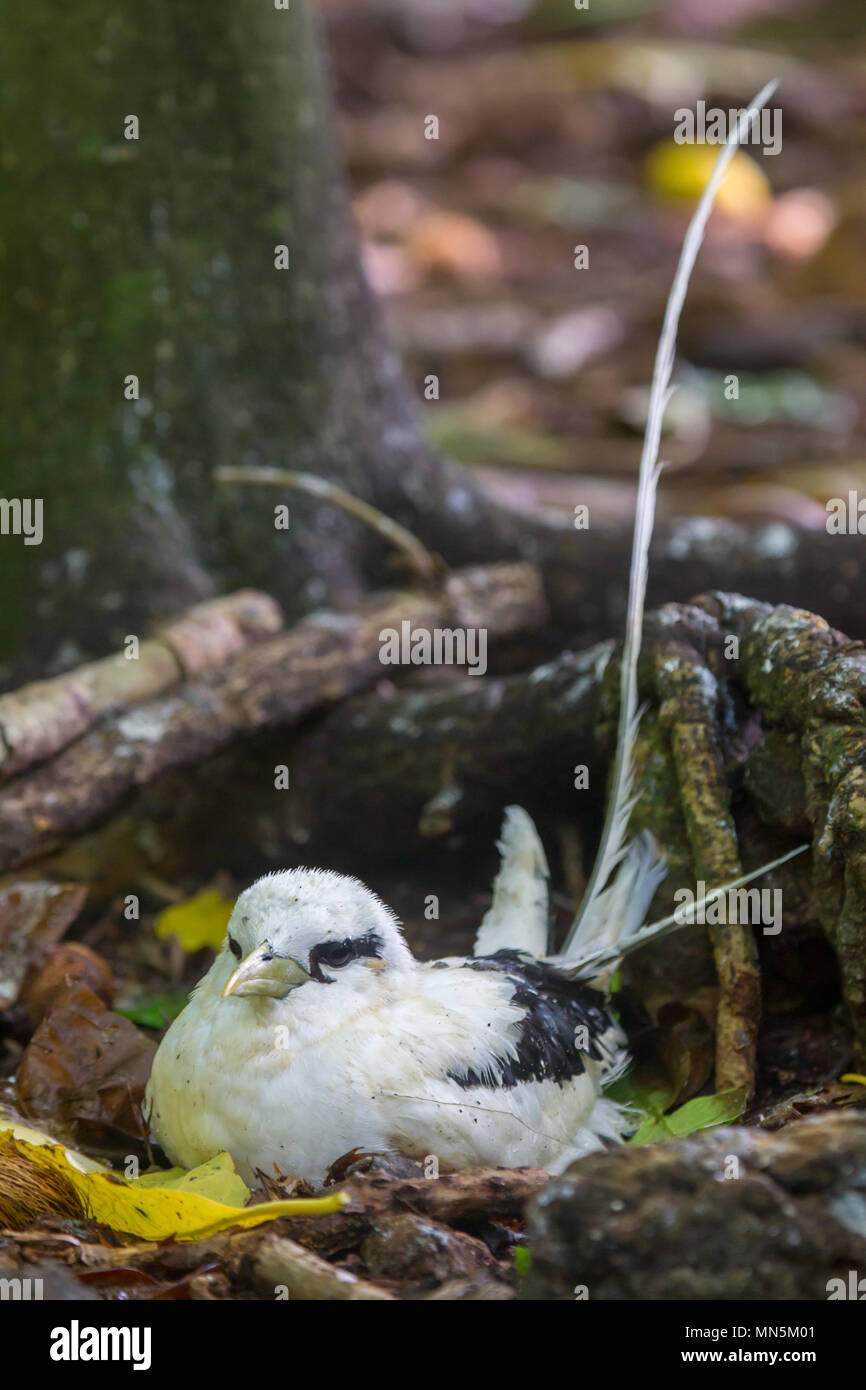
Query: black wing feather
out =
(555, 1007)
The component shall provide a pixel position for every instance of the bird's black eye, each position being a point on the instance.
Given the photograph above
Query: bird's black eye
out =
(235, 949)
(332, 954)
(336, 953)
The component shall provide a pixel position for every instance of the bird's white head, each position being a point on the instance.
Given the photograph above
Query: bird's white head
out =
(309, 927)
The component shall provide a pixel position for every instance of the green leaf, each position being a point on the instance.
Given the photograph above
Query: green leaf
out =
(651, 1100)
(522, 1260)
(156, 1010)
(704, 1112)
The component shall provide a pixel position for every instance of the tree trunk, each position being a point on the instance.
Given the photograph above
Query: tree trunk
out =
(155, 257)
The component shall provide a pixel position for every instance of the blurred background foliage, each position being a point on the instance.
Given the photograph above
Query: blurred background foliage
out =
(555, 129)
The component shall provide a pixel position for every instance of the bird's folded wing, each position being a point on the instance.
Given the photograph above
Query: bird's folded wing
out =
(501, 1062)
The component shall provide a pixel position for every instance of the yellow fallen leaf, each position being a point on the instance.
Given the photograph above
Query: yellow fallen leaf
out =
(854, 1076)
(9, 1122)
(200, 921)
(216, 1179)
(180, 1207)
(679, 174)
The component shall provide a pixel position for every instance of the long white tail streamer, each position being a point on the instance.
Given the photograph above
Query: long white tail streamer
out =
(613, 845)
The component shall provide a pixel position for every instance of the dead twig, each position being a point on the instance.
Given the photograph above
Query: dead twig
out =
(419, 557)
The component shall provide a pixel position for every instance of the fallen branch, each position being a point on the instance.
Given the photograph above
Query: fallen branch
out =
(282, 1268)
(275, 682)
(45, 716)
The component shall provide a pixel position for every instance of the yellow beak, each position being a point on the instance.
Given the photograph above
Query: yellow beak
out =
(261, 972)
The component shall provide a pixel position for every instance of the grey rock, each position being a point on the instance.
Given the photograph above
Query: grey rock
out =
(731, 1213)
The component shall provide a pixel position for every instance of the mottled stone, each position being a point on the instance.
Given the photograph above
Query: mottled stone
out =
(671, 1221)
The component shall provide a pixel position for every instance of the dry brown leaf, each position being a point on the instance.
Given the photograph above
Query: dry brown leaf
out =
(71, 963)
(86, 1069)
(33, 918)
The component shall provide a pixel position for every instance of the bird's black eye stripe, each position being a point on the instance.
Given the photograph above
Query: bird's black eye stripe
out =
(335, 954)
(234, 947)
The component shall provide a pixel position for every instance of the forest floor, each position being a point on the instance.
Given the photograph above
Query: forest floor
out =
(547, 139)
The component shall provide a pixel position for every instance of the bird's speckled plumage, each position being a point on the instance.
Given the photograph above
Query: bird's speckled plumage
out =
(477, 1060)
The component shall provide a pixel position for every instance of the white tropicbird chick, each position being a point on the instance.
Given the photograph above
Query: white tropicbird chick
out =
(316, 1031)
